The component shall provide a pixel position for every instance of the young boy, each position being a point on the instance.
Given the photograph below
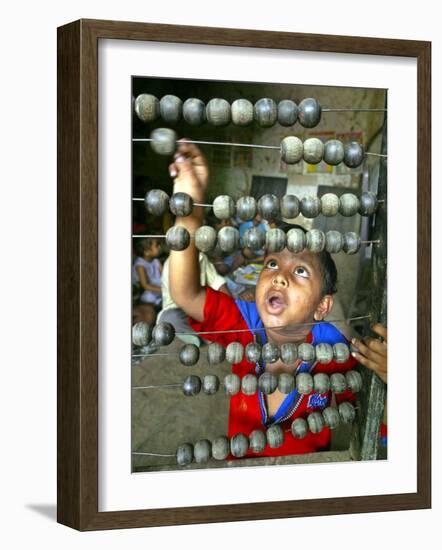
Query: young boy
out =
(294, 291)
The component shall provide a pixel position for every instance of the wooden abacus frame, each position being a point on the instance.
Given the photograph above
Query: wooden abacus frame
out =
(78, 287)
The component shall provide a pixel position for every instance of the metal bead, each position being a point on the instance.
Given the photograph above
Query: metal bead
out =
(258, 441)
(347, 412)
(163, 141)
(338, 383)
(309, 112)
(189, 355)
(253, 238)
(287, 112)
(321, 383)
(299, 428)
(141, 334)
(239, 445)
(341, 352)
(156, 202)
(270, 352)
(296, 240)
(181, 204)
(242, 112)
(268, 207)
(354, 380)
(286, 382)
(265, 112)
(223, 207)
(171, 108)
(192, 385)
(177, 238)
(228, 239)
(184, 454)
(246, 208)
(306, 352)
(333, 152)
(289, 353)
(194, 111)
(275, 240)
(329, 204)
(253, 352)
(353, 154)
(331, 417)
(313, 150)
(315, 240)
(352, 242)
(163, 334)
(232, 384)
(267, 383)
(202, 451)
(334, 241)
(218, 112)
(234, 353)
(275, 436)
(210, 384)
(289, 205)
(220, 448)
(292, 149)
(315, 422)
(249, 384)
(310, 206)
(216, 353)
(368, 203)
(304, 383)
(205, 238)
(147, 107)
(348, 204)
(324, 353)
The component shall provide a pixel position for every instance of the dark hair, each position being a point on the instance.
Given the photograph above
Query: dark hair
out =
(328, 267)
(144, 244)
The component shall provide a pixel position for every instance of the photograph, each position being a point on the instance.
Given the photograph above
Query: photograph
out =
(259, 273)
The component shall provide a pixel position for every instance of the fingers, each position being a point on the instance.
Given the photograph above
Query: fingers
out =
(371, 348)
(173, 170)
(192, 151)
(381, 330)
(372, 365)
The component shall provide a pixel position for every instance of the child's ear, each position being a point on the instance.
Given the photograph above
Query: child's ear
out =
(324, 307)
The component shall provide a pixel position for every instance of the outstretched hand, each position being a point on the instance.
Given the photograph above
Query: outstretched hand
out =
(372, 352)
(190, 171)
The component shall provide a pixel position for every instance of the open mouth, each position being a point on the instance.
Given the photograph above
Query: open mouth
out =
(275, 302)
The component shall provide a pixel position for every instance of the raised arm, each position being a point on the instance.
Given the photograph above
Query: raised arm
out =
(191, 176)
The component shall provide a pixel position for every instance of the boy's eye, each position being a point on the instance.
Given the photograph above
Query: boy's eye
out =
(301, 271)
(272, 264)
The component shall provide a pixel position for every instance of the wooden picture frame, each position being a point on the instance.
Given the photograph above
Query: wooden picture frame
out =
(77, 461)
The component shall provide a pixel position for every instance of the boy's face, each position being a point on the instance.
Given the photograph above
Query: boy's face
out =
(289, 289)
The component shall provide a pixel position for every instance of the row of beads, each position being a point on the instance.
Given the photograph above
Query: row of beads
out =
(268, 383)
(274, 240)
(239, 444)
(269, 206)
(164, 333)
(292, 148)
(219, 112)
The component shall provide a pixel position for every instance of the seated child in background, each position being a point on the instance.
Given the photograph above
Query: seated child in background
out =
(146, 274)
(294, 291)
(173, 314)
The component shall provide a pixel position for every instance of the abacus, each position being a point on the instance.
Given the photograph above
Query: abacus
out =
(164, 120)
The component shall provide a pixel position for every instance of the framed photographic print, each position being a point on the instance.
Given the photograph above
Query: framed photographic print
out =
(242, 216)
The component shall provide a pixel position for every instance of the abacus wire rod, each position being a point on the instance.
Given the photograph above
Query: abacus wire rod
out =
(157, 385)
(223, 143)
(151, 454)
(273, 328)
(363, 110)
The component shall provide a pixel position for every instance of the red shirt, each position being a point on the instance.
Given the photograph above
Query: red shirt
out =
(248, 413)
